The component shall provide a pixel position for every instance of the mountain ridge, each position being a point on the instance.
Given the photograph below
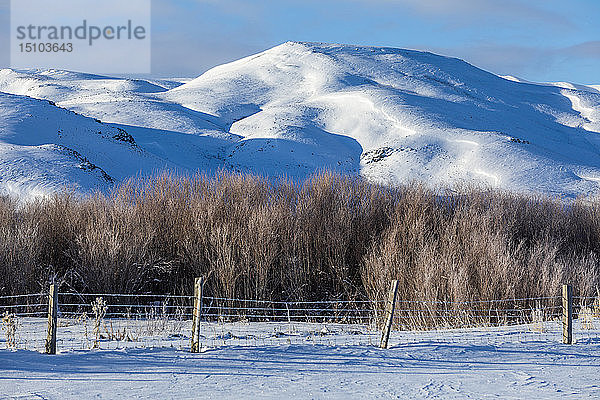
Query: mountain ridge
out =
(391, 115)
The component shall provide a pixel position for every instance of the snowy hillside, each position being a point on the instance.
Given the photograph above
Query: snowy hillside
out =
(45, 148)
(391, 115)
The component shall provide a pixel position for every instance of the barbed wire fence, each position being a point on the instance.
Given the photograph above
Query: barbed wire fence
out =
(259, 322)
(21, 317)
(586, 326)
(116, 321)
(481, 322)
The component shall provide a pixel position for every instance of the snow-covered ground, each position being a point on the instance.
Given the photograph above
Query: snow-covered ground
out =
(506, 363)
(390, 115)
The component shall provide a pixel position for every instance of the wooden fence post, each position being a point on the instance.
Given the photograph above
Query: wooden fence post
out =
(197, 315)
(52, 320)
(567, 308)
(389, 315)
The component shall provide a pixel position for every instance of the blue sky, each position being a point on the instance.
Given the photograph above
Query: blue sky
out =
(539, 40)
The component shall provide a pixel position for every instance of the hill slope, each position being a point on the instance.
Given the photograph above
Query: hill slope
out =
(391, 115)
(415, 115)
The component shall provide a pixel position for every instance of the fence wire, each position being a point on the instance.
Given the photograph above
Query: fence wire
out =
(480, 321)
(117, 321)
(22, 318)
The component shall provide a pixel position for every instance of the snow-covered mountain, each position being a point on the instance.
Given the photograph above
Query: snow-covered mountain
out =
(390, 115)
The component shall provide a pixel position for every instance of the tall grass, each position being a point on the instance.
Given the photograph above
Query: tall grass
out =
(329, 237)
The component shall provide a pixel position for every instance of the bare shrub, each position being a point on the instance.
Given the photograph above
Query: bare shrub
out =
(10, 325)
(329, 237)
(483, 245)
(99, 309)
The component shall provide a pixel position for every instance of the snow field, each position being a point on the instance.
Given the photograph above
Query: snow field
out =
(460, 364)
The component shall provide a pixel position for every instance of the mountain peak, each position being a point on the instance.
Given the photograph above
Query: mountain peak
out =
(391, 115)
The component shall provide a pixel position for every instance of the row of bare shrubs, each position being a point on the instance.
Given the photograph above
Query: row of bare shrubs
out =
(329, 237)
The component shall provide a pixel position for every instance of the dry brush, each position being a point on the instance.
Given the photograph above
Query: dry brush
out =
(329, 237)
